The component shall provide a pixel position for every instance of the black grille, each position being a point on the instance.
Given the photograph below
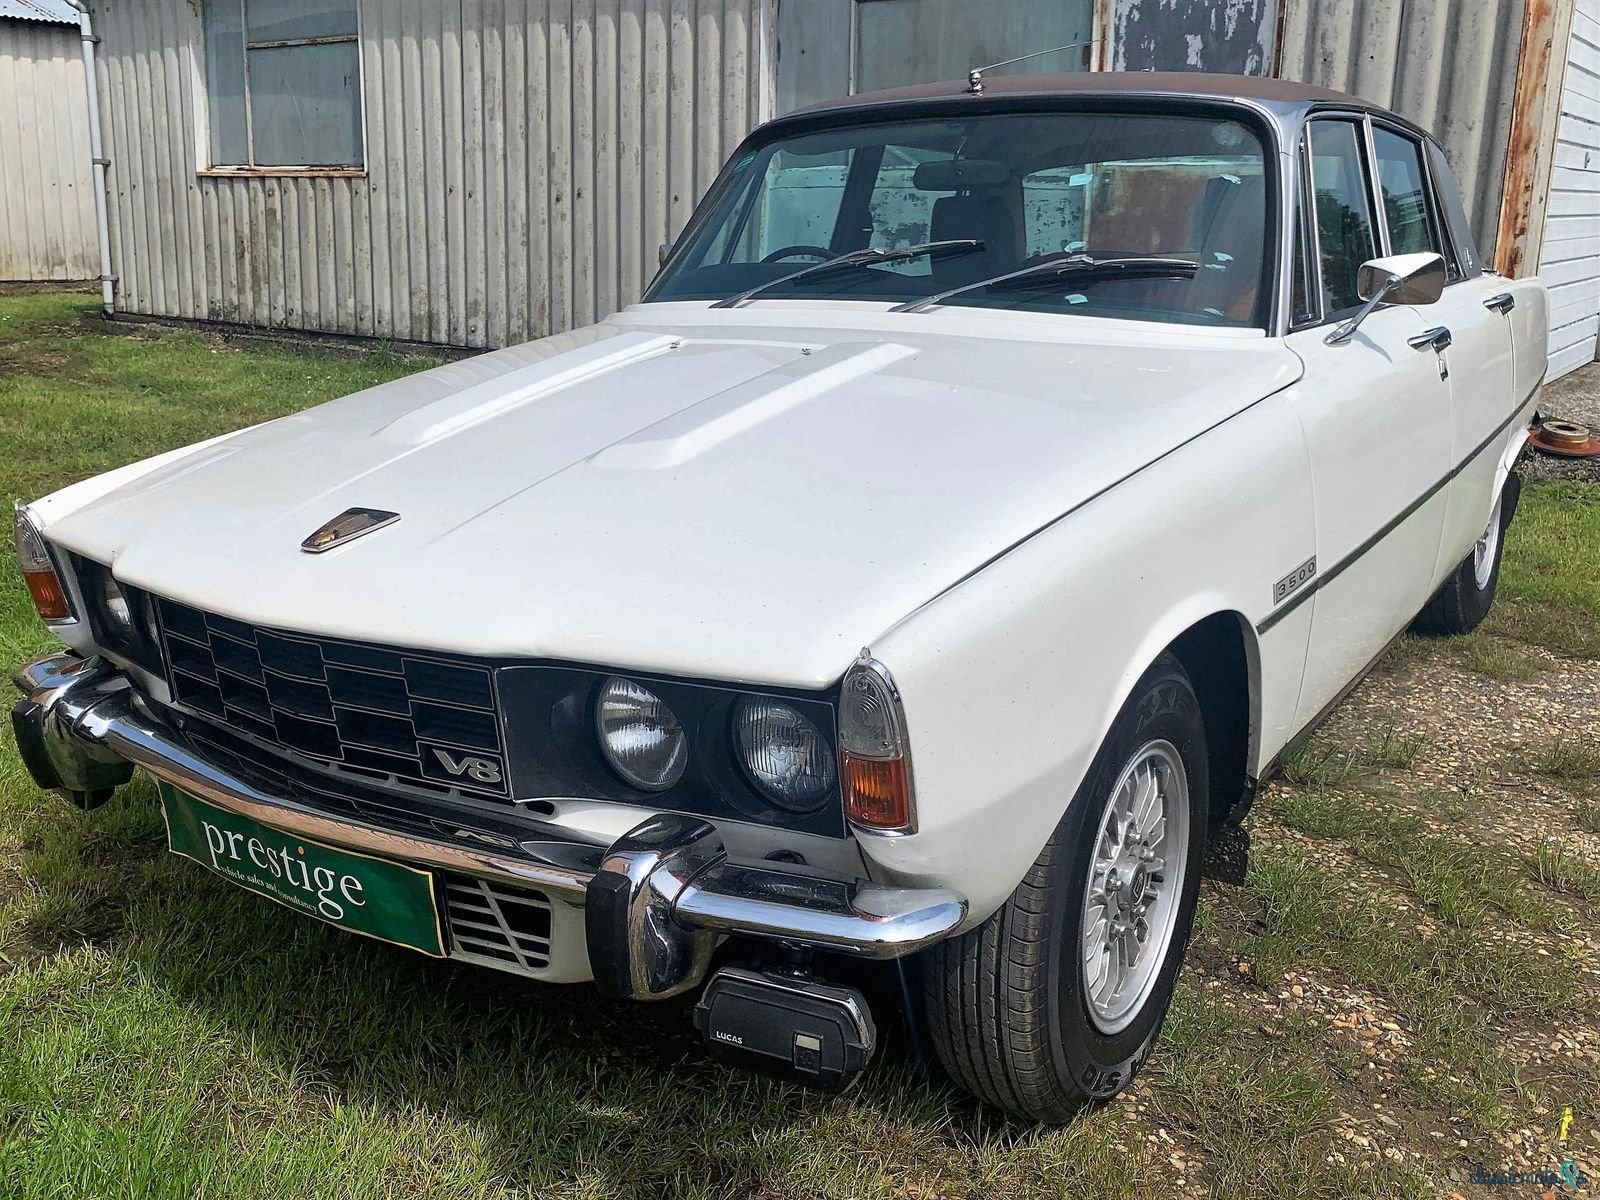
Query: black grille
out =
(497, 926)
(422, 719)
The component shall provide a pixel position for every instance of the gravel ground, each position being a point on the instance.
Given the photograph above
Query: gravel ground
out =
(1473, 780)
(1574, 397)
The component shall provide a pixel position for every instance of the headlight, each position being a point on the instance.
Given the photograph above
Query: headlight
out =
(114, 608)
(784, 754)
(640, 736)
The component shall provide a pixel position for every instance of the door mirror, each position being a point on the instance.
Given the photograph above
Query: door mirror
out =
(1397, 279)
(1403, 278)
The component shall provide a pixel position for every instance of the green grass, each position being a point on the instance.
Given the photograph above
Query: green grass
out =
(1587, 815)
(1562, 867)
(1571, 758)
(1328, 760)
(1449, 987)
(1497, 657)
(1460, 881)
(164, 1035)
(1549, 592)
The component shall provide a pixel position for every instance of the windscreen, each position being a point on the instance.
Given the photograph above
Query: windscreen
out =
(1154, 217)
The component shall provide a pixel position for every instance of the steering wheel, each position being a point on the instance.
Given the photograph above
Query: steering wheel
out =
(784, 252)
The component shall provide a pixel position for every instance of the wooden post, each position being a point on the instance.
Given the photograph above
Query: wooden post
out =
(1530, 150)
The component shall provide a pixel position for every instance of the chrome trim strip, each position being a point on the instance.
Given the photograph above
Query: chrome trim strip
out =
(700, 894)
(1348, 560)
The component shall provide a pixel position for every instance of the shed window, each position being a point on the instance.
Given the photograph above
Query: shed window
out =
(283, 83)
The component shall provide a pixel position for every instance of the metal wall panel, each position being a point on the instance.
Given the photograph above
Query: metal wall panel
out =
(524, 160)
(1448, 65)
(1570, 261)
(1231, 36)
(47, 229)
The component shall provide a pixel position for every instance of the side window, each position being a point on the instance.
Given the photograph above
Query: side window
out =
(1343, 210)
(1407, 206)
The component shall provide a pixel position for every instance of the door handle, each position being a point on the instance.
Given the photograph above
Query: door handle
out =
(1438, 338)
(1503, 303)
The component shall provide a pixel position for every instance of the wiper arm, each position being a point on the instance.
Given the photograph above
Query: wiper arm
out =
(1046, 272)
(852, 259)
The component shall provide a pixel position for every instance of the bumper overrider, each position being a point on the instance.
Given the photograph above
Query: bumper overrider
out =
(656, 901)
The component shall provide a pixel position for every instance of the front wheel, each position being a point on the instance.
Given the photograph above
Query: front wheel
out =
(1057, 998)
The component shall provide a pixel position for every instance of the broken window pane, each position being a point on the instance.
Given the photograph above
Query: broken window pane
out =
(283, 83)
(305, 106)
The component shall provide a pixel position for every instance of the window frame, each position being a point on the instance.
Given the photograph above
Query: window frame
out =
(1454, 272)
(1304, 233)
(205, 167)
(1380, 226)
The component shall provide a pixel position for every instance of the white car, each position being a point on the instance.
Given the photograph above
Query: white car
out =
(993, 483)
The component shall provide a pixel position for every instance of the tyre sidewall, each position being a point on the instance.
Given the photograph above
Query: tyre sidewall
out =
(1163, 706)
(1476, 601)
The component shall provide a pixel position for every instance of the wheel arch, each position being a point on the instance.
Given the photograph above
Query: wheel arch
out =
(1222, 659)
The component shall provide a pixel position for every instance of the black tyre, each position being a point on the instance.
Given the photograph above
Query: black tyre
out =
(1021, 1009)
(1464, 600)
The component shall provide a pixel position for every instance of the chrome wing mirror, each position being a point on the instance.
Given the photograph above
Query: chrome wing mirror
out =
(1397, 279)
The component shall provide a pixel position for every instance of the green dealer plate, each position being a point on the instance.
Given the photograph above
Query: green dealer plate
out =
(380, 899)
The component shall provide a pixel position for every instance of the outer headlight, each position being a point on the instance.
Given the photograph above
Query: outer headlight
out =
(639, 736)
(785, 755)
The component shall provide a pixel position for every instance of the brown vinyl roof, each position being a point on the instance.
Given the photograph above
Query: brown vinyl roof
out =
(1186, 83)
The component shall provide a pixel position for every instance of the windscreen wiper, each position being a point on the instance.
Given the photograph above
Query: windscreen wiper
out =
(1043, 273)
(855, 258)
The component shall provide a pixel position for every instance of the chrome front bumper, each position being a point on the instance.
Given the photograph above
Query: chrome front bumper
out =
(656, 901)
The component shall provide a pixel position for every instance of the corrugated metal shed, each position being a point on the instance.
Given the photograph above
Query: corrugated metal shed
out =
(39, 10)
(524, 160)
(1569, 263)
(47, 227)
(1450, 66)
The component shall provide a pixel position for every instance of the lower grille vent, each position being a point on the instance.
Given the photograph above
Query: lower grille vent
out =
(497, 926)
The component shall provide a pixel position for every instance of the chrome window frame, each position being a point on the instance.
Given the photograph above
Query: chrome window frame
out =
(1380, 227)
(1453, 272)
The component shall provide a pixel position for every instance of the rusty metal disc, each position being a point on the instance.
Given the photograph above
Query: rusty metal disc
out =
(1567, 439)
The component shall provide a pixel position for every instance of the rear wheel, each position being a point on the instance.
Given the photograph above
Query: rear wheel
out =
(1464, 600)
(1057, 998)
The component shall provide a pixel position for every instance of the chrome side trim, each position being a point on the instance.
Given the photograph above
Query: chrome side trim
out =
(1316, 585)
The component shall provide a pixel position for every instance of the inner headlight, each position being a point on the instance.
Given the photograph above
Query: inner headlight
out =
(785, 755)
(114, 607)
(640, 736)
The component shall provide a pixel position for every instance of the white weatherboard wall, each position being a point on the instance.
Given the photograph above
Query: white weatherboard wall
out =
(46, 189)
(524, 160)
(1569, 262)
